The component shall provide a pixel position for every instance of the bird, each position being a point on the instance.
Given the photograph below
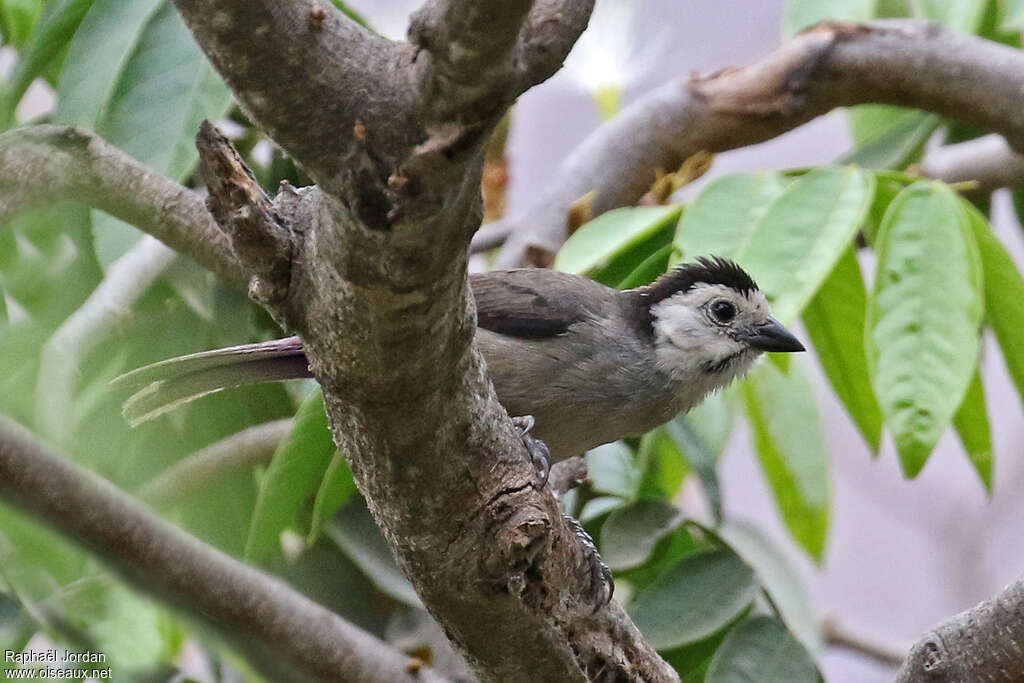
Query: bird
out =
(579, 363)
(575, 363)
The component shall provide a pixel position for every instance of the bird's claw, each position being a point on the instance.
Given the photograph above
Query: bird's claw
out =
(594, 572)
(538, 450)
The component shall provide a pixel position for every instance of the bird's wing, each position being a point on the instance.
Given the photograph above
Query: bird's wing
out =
(533, 302)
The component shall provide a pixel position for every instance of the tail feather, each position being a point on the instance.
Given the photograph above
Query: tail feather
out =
(171, 383)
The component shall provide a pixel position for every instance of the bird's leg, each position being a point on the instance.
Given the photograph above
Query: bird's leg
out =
(538, 450)
(594, 572)
(597, 576)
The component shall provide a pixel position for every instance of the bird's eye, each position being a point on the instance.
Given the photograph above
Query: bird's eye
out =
(722, 311)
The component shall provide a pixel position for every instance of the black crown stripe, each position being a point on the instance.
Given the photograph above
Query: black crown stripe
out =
(712, 270)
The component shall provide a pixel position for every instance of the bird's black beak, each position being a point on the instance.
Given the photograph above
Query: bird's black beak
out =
(772, 336)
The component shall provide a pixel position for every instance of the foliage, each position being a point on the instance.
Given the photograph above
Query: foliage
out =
(898, 345)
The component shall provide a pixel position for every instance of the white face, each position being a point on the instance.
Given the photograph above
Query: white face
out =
(697, 333)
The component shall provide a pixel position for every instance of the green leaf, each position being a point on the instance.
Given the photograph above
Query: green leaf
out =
(112, 237)
(693, 599)
(596, 242)
(761, 649)
(352, 14)
(724, 215)
(649, 270)
(895, 144)
(923, 317)
(1004, 295)
(102, 46)
(778, 576)
(789, 246)
(801, 14)
(18, 19)
(629, 535)
(868, 122)
(890, 9)
(158, 89)
(296, 471)
(1011, 15)
(803, 234)
(962, 15)
(701, 436)
(835, 321)
(886, 190)
(611, 469)
(790, 442)
(691, 661)
(668, 552)
(59, 22)
(356, 534)
(33, 558)
(129, 629)
(164, 92)
(971, 422)
(335, 490)
(664, 465)
(622, 265)
(598, 506)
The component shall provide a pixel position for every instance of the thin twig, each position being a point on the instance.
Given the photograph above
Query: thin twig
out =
(838, 635)
(988, 161)
(240, 451)
(94, 322)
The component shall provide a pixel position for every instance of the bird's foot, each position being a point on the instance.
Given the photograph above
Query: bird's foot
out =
(538, 450)
(594, 573)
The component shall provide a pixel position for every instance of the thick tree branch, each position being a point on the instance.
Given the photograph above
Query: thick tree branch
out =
(482, 55)
(471, 61)
(299, 639)
(352, 80)
(550, 31)
(901, 62)
(46, 163)
(981, 644)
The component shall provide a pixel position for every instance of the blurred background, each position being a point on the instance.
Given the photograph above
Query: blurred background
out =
(900, 556)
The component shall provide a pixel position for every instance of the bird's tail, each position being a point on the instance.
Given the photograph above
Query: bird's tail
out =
(170, 383)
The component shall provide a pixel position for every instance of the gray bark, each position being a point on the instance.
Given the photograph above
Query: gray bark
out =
(985, 643)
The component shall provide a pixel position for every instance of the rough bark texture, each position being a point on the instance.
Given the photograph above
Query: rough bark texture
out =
(902, 62)
(985, 643)
(376, 286)
(290, 636)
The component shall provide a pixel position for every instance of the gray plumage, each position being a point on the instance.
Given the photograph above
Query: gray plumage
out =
(590, 363)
